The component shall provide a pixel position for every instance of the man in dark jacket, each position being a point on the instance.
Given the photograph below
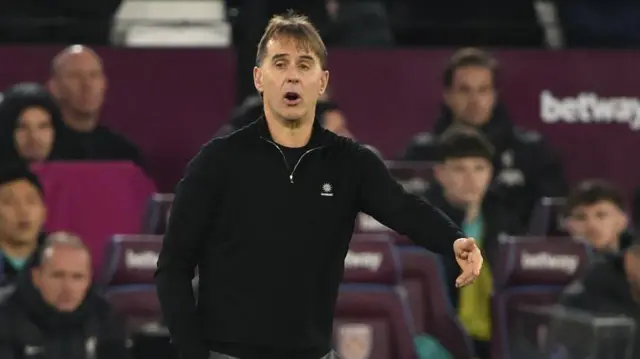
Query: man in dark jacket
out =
(525, 167)
(612, 287)
(22, 216)
(266, 215)
(463, 174)
(79, 84)
(54, 313)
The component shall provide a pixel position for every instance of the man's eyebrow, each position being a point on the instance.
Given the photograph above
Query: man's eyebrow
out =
(278, 56)
(282, 56)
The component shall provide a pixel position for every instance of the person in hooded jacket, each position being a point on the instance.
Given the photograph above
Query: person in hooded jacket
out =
(526, 168)
(31, 126)
(55, 313)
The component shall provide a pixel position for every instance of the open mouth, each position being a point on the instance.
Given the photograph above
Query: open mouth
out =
(292, 98)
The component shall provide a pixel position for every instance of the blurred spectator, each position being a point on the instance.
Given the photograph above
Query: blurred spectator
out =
(22, 215)
(526, 168)
(596, 213)
(79, 84)
(54, 311)
(611, 287)
(31, 126)
(60, 21)
(464, 172)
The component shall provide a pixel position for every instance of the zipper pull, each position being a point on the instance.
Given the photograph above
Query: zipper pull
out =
(291, 178)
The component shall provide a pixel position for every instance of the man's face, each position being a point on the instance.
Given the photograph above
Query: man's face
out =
(34, 134)
(64, 277)
(22, 213)
(471, 96)
(79, 83)
(465, 180)
(632, 268)
(600, 224)
(291, 79)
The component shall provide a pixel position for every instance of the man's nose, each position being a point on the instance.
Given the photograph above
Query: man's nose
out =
(293, 76)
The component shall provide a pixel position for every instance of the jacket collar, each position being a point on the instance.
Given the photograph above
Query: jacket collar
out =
(319, 135)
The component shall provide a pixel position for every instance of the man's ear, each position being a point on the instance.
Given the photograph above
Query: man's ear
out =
(324, 82)
(257, 79)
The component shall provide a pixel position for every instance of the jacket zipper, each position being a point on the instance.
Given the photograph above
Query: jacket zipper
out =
(284, 158)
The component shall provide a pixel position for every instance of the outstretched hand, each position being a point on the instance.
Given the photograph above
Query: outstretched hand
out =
(469, 259)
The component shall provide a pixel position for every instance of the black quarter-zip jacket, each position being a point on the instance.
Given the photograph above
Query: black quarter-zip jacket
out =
(269, 240)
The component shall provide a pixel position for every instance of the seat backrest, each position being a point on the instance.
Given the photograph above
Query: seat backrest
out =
(531, 272)
(372, 260)
(372, 317)
(423, 275)
(139, 306)
(131, 260)
(371, 321)
(547, 218)
(415, 177)
(157, 214)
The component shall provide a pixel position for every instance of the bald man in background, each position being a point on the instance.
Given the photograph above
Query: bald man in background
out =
(79, 84)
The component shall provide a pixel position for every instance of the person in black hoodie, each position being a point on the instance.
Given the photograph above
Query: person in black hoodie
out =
(463, 175)
(79, 84)
(266, 214)
(55, 313)
(526, 168)
(31, 127)
(22, 216)
(596, 214)
(611, 287)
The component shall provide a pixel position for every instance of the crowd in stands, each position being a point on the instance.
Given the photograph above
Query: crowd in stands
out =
(546, 242)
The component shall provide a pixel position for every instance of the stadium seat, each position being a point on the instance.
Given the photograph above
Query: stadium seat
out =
(128, 280)
(157, 213)
(372, 319)
(547, 218)
(425, 279)
(530, 272)
(415, 177)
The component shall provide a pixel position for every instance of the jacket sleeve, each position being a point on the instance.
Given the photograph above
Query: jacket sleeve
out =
(113, 343)
(191, 220)
(384, 199)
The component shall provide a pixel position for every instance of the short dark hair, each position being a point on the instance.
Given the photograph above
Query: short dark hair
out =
(19, 171)
(297, 27)
(468, 57)
(464, 142)
(592, 191)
